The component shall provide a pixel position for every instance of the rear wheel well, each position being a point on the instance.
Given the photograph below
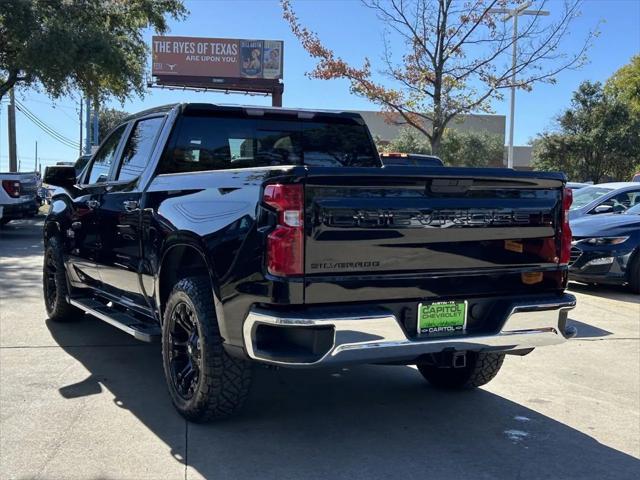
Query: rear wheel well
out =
(180, 262)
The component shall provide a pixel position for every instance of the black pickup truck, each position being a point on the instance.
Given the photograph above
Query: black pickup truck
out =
(237, 235)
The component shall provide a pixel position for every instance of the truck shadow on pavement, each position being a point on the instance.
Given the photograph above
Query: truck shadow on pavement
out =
(588, 331)
(366, 421)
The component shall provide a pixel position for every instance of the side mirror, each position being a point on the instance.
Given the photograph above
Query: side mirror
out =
(603, 209)
(63, 176)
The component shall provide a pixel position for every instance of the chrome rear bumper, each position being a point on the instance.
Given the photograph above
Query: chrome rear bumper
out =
(375, 336)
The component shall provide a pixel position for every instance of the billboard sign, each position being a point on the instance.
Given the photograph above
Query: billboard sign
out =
(216, 57)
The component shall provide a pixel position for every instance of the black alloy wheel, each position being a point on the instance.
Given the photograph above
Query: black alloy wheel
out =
(49, 281)
(204, 381)
(185, 350)
(54, 284)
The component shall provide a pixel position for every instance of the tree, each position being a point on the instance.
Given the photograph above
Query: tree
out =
(93, 45)
(409, 140)
(458, 148)
(454, 58)
(471, 149)
(625, 84)
(598, 137)
(554, 152)
(108, 119)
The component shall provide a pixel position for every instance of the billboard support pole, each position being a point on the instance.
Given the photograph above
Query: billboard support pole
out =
(276, 95)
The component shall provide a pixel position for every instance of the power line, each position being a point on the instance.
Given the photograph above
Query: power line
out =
(28, 112)
(53, 104)
(46, 128)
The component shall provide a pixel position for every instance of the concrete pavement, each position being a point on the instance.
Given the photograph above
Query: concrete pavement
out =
(84, 401)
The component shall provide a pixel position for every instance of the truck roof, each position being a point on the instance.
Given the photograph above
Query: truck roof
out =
(252, 110)
(259, 110)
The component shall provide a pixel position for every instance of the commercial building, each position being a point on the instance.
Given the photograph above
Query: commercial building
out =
(387, 130)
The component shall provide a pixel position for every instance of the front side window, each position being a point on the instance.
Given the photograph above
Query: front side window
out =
(102, 160)
(586, 195)
(139, 147)
(623, 201)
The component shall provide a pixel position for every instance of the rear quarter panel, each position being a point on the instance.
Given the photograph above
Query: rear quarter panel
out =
(216, 212)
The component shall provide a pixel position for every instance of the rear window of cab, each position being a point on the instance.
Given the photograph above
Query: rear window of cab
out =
(208, 142)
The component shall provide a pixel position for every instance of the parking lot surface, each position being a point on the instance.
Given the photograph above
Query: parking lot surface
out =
(84, 400)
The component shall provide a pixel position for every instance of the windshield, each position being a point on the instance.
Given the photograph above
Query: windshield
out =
(635, 210)
(586, 195)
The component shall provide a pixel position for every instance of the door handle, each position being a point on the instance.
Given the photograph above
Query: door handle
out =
(130, 205)
(93, 204)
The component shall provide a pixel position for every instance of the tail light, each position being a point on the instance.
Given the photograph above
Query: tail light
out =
(12, 188)
(565, 229)
(285, 245)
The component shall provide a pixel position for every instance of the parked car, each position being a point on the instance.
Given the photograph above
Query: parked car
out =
(577, 185)
(636, 177)
(410, 160)
(613, 197)
(18, 196)
(606, 249)
(242, 235)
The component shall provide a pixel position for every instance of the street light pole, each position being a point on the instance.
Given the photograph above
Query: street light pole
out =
(513, 91)
(515, 13)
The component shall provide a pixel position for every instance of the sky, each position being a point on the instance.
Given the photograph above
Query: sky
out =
(354, 33)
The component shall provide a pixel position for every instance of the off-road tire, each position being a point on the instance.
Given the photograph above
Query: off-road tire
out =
(223, 381)
(634, 273)
(480, 369)
(55, 288)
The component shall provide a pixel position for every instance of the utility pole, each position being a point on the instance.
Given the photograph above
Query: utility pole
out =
(80, 143)
(36, 161)
(87, 140)
(11, 113)
(515, 13)
(96, 140)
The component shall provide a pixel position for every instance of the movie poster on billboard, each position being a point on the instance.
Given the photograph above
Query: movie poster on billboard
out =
(251, 57)
(272, 59)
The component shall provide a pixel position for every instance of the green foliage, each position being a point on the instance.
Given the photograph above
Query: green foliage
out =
(92, 45)
(471, 149)
(108, 119)
(597, 139)
(409, 140)
(554, 152)
(625, 84)
(458, 148)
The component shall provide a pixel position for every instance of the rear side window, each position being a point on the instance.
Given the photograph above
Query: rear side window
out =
(215, 143)
(139, 147)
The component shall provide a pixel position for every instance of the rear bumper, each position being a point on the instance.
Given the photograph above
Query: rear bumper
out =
(375, 336)
(23, 209)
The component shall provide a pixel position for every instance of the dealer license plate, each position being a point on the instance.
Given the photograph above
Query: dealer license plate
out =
(442, 318)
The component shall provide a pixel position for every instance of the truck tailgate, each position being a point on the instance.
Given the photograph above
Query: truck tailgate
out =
(379, 233)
